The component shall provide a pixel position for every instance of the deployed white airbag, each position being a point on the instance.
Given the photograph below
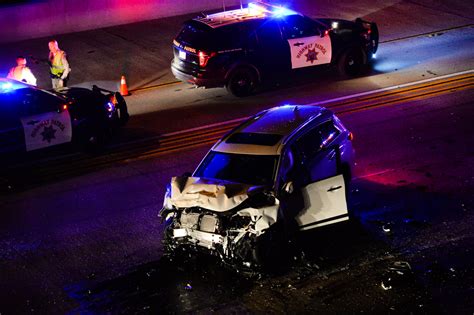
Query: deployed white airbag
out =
(215, 195)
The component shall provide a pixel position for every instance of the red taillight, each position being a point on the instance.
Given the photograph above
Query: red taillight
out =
(350, 137)
(326, 32)
(204, 58)
(65, 107)
(113, 99)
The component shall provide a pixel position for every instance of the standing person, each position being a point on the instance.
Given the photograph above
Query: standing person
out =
(59, 66)
(21, 72)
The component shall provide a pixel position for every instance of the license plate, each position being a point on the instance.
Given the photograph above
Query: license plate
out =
(182, 55)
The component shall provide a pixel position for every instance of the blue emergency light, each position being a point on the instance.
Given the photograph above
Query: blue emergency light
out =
(7, 86)
(276, 11)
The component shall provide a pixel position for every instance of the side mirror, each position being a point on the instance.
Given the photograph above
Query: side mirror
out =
(288, 187)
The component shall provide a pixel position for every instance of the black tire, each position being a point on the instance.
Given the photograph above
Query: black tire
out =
(271, 250)
(374, 37)
(242, 82)
(122, 110)
(95, 138)
(352, 62)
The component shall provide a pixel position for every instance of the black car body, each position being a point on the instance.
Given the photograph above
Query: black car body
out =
(238, 48)
(33, 119)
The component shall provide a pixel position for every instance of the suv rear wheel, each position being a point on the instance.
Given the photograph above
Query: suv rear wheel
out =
(242, 81)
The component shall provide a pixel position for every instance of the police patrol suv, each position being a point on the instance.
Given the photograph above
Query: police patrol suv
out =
(32, 118)
(238, 48)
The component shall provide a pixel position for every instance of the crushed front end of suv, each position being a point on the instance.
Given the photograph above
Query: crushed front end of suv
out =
(283, 170)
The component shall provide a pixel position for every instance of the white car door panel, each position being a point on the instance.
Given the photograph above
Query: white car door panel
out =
(325, 203)
(310, 51)
(47, 129)
(323, 165)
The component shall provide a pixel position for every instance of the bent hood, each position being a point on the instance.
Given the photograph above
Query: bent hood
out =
(212, 194)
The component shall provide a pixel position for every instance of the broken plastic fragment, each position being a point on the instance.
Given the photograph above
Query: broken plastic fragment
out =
(400, 267)
(386, 287)
(91, 276)
(398, 273)
(387, 228)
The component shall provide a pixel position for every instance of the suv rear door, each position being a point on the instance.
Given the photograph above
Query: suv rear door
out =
(325, 203)
(322, 188)
(272, 51)
(308, 44)
(11, 133)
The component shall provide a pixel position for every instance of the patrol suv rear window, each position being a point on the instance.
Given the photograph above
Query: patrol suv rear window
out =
(254, 138)
(197, 35)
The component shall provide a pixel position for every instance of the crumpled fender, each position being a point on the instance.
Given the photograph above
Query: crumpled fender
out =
(263, 217)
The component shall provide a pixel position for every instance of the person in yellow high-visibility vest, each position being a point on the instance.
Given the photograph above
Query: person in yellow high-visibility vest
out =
(21, 72)
(59, 66)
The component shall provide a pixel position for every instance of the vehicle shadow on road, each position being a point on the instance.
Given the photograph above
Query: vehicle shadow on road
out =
(307, 77)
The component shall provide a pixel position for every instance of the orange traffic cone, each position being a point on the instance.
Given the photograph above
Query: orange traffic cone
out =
(123, 87)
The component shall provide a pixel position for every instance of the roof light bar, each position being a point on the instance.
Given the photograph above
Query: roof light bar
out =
(263, 8)
(6, 86)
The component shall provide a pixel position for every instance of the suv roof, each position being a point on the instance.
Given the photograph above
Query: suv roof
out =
(266, 132)
(255, 10)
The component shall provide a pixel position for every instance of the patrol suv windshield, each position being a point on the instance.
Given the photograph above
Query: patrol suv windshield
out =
(241, 168)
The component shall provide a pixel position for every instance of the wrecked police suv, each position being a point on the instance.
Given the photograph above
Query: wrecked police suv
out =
(283, 170)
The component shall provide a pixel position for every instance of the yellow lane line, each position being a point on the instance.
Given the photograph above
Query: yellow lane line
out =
(394, 102)
(411, 98)
(153, 87)
(403, 96)
(402, 91)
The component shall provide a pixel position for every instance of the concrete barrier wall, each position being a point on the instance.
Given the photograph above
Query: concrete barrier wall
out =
(23, 19)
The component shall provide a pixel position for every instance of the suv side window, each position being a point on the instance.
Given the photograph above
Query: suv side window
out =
(8, 110)
(230, 37)
(328, 132)
(316, 139)
(269, 32)
(36, 102)
(296, 26)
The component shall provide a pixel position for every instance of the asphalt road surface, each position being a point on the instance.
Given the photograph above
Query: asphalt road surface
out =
(90, 240)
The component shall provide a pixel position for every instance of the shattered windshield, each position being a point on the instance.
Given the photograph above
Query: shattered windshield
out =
(241, 168)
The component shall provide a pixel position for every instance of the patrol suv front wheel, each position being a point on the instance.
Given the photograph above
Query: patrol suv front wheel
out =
(242, 82)
(352, 62)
